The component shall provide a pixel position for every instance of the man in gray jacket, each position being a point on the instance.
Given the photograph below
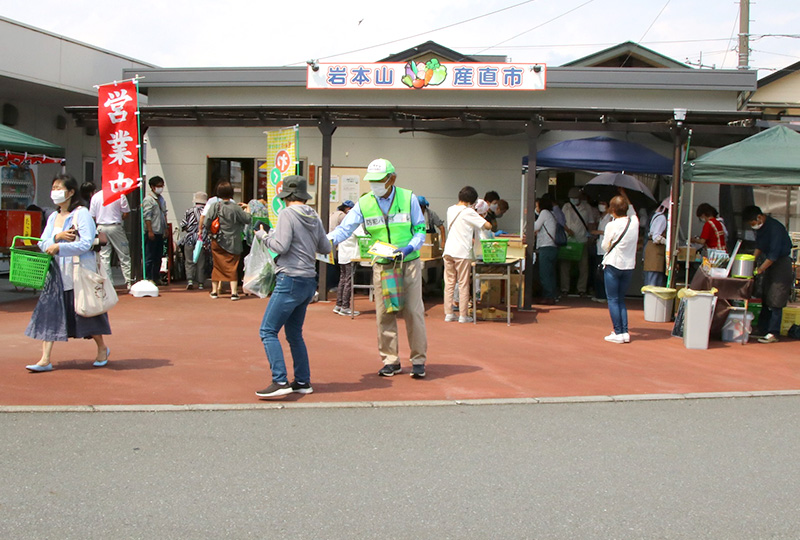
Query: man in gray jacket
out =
(297, 238)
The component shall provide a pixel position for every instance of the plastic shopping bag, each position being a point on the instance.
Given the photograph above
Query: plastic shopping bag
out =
(198, 249)
(392, 287)
(259, 271)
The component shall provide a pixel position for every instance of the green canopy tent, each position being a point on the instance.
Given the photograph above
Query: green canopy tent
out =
(12, 140)
(769, 158)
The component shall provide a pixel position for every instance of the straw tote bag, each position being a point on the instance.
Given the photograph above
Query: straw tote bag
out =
(94, 292)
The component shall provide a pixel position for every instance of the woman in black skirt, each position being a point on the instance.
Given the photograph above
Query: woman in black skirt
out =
(69, 233)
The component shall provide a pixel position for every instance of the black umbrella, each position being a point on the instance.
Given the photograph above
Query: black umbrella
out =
(605, 186)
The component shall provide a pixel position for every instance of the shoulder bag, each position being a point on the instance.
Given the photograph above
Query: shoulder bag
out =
(94, 292)
(560, 239)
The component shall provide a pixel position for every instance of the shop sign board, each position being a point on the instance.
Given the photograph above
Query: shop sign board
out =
(430, 75)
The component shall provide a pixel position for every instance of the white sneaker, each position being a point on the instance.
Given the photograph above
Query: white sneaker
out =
(615, 338)
(450, 318)
(465, 319)
(347, 312)
(626, 337)
(337, 309)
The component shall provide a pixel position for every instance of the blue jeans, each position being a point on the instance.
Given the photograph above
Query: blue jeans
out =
(617, 282)
(548, 257)
(287, 308)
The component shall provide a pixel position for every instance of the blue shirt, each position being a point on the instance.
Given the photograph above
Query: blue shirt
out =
(354, 218)
(773, 240)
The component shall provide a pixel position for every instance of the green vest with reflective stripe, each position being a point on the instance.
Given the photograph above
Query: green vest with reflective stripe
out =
(399, 230)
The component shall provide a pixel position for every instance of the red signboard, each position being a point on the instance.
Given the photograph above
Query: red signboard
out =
(118, 122)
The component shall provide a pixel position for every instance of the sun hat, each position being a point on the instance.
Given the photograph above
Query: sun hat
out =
(294, 185)
(200, 197)
(378, 169)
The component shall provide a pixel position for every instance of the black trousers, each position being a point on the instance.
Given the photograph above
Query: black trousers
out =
(153, 251)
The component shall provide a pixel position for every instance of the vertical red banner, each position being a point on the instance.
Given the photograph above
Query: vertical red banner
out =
(118, 123)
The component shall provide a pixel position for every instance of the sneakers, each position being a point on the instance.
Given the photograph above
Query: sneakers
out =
(465, 319)
(389, 370)
(276, 390)
(234, 297)
(615, 338)
(214, 295)
(200, 286)
(626, 337)
(189, 286)
(769, 338)
(418, 371)
(450, 318)
(347, 312)
(337, 310)
(599, 300)
(301, 387)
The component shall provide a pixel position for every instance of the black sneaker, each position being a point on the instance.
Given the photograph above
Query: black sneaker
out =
(275, 390)
(302, 387)
(418, 371)
(390, 369)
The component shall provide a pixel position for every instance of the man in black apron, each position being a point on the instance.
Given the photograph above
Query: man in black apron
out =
(773, 241)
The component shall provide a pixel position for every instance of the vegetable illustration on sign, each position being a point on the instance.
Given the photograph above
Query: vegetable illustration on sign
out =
(419, 75)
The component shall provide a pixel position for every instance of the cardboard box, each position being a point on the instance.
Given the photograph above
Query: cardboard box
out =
(492, 313)
(493, 292)
(681, 254)
(431, 248)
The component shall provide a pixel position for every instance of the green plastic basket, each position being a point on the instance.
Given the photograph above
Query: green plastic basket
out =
(573, 251)
(28, 267)
(494, 249)
(364, 243)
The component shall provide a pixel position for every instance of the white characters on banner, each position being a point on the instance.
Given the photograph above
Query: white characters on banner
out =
(116, 102)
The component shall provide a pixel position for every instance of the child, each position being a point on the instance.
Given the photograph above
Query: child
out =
(462, 222)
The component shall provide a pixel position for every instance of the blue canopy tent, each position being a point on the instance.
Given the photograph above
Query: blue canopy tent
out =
(602, 154)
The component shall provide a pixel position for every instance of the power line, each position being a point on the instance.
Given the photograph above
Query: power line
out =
(424, 33)
(646, 31)
(606, 44)
(733, 32)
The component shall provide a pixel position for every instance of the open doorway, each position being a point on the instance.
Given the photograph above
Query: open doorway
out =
(239, 171)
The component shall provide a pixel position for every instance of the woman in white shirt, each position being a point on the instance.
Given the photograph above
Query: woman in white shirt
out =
(619, 243)
(546, 249)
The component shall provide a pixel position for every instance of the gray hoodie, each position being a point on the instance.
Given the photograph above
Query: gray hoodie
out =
(297, 238)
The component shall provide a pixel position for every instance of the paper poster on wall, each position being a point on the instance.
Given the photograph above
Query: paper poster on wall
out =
(348, 190)
(334, 189)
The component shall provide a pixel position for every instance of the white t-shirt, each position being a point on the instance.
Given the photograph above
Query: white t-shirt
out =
(110, 214)
(623, 256)
(462, 222)
(545, 229)
(209, 205)
(605, 220)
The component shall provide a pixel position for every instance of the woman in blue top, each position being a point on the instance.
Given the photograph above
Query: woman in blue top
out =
(69, 233)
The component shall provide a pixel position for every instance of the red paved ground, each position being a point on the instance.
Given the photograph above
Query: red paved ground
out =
(184, 348)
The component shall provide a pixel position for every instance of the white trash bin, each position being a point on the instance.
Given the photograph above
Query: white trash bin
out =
(657, 308)
(697, 324)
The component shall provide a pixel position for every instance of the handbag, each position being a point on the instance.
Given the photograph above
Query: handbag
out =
(560, 239)
(94, 292)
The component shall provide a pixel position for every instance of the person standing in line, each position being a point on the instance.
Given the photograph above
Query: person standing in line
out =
(393, 215)
(69, 233)
(604, 219)
(545, 230)
(297, 238)
(226, 244)
(655, 262)
(345, 253)
(154, 213)
(773, 241)
(578, 214)
(190, 225)
(619, 244)
(462, 224)
(109, 219)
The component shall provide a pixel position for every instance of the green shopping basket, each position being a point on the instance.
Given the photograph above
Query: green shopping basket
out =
(364, 243)
(28, 267)
(494, 249)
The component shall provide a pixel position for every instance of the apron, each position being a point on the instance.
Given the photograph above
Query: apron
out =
(778, 280)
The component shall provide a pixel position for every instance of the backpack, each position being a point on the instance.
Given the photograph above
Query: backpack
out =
(560, 238)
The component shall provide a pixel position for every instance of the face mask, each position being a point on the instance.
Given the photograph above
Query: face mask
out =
(601, 207)
(58, 196)
(575, 201)
(757, 226)
(493, 207)
(159, 190)
(379, 189)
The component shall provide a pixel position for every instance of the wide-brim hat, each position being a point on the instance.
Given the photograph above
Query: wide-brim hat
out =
(378, 169)
(294, 185)
(200, 197)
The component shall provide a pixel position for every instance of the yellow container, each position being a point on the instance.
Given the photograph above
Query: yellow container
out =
(790, 316)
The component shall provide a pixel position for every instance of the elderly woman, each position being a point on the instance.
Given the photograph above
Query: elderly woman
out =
(226, 243)
(69, 233)
(619, 243)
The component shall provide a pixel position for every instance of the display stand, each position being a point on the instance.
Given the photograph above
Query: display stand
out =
(483, 271)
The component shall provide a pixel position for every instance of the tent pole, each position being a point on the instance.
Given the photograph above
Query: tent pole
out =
(674, 211)
(689, 235)
(534, 129)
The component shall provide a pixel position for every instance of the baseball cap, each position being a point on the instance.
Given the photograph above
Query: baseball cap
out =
(294, 185)
(422, 200)
(378, 169)
(348, 203)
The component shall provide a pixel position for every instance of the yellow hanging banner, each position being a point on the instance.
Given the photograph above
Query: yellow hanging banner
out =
(281, 162)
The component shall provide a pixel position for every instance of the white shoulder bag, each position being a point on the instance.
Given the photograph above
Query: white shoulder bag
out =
(94, 291)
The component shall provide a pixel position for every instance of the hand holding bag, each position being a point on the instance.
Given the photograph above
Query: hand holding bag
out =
(94, 292)
(259, 270)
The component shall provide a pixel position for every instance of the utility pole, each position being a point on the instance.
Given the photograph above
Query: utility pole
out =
(744, 34)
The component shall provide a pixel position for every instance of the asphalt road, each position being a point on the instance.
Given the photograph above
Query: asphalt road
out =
(709, 468)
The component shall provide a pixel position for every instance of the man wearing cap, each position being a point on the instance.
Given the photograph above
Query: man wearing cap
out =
(109, 219)
(578, 214)
(298, 236)
(393, 215)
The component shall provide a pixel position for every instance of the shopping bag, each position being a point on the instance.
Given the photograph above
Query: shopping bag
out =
(259, 271)
(94, 292)
(392, 287)
(198, 249)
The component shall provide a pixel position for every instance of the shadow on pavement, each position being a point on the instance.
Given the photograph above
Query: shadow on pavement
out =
(113, 365)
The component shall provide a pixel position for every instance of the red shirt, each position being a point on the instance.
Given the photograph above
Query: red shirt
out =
(714, 234)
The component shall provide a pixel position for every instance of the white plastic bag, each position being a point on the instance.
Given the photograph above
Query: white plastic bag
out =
(94, 292)
(259, 271)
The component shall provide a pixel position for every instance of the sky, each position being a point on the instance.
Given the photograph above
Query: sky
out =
(242, 33)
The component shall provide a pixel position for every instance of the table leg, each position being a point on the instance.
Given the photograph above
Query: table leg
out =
(475, 287)
(508, 295)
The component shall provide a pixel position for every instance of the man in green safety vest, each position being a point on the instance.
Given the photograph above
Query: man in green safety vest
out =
(392, 215)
